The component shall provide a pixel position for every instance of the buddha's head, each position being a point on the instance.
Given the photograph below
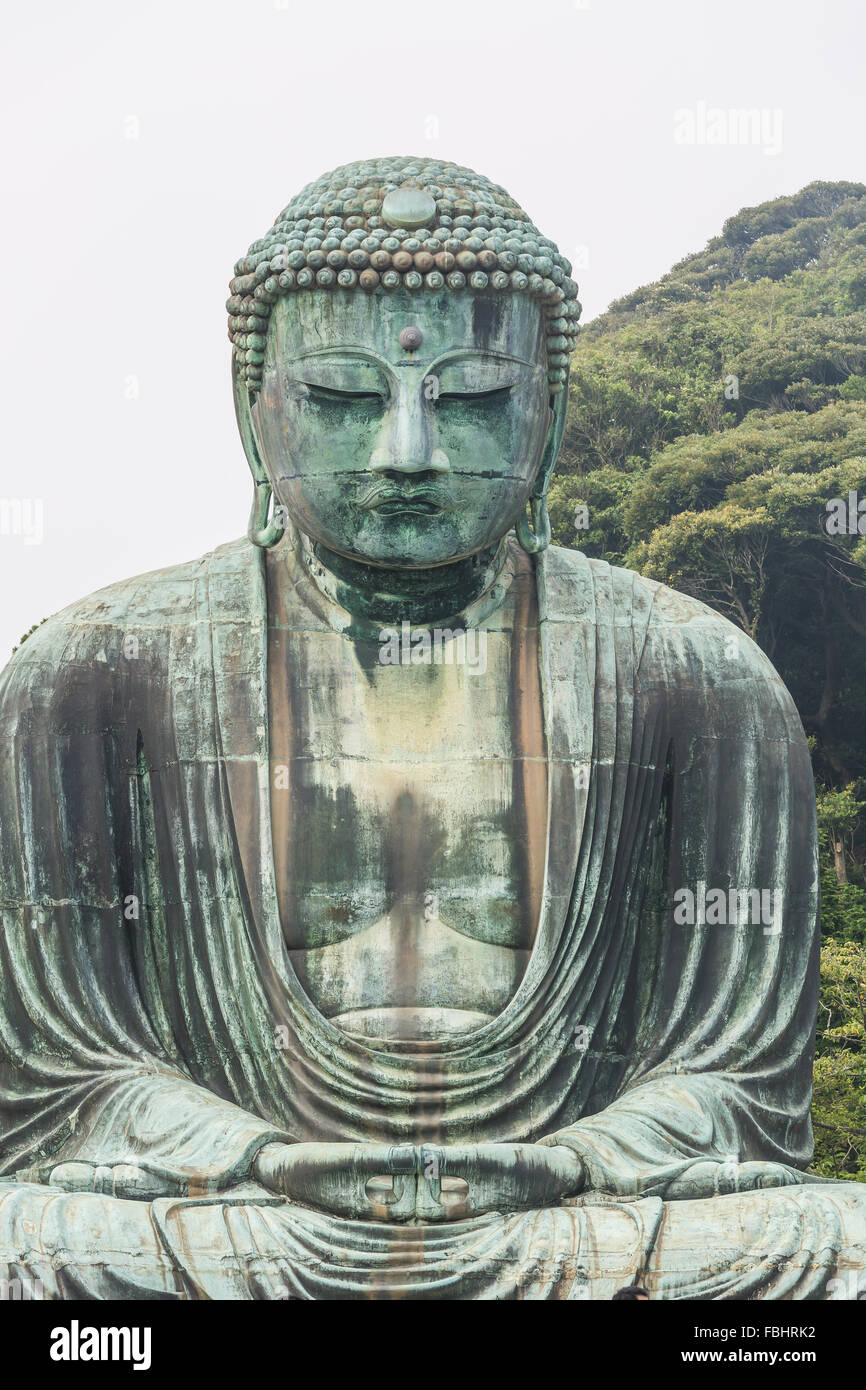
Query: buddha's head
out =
(400, 353)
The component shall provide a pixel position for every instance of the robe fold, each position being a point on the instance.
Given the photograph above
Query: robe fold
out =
(149, 1011)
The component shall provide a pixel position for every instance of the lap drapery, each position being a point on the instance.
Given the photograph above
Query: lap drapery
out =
(771, 1244)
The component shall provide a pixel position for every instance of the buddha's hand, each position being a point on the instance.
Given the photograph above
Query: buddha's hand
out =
(709, 1178)
(456, 1182)
(428, 1181)
(117, 1180)
(365, 1181)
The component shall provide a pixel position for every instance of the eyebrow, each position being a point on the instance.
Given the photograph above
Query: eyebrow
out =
(453, 354)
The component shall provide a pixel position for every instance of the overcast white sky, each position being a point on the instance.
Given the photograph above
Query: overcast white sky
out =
(146, 143)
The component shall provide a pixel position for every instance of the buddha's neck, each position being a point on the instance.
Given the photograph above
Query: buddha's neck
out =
(418, 596)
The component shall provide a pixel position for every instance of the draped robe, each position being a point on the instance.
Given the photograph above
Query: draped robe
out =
(150, 1015)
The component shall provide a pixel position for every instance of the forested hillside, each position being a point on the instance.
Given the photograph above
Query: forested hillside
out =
(713, 417)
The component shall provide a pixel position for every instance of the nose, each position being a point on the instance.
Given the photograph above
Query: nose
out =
(383, 461)
(406, 444)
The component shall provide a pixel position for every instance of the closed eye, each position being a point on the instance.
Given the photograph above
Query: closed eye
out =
(331, 393)
(496, 393)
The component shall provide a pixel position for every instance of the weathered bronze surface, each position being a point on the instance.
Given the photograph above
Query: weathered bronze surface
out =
(338, 869)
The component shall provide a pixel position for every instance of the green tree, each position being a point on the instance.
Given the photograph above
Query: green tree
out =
(839, 1095)
(840, 813)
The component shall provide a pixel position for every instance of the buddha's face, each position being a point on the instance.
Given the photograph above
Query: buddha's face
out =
(403, 451)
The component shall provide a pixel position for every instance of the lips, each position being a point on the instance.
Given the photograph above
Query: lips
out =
(398, 505)
(389, 500)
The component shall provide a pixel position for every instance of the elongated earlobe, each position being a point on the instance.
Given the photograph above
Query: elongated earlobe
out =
(261, 530)
(537, 537)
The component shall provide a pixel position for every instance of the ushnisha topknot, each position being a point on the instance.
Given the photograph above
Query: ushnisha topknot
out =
(417, 224)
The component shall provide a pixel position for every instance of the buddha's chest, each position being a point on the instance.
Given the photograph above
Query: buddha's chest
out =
(409, 821)
(420, 808)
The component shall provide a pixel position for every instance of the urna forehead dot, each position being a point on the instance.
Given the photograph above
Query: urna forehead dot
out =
(408, 207)
(411, 338)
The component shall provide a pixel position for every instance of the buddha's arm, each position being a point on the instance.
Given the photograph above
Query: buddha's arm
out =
(676, 1139)
(151, 1133)
(719, 1016)
(89, 1073)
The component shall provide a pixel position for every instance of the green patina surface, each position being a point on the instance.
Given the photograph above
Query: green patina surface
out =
(339, 951)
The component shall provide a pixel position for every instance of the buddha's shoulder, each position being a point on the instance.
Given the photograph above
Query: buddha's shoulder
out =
(669, 626)
(84, 636)
(571, 571)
